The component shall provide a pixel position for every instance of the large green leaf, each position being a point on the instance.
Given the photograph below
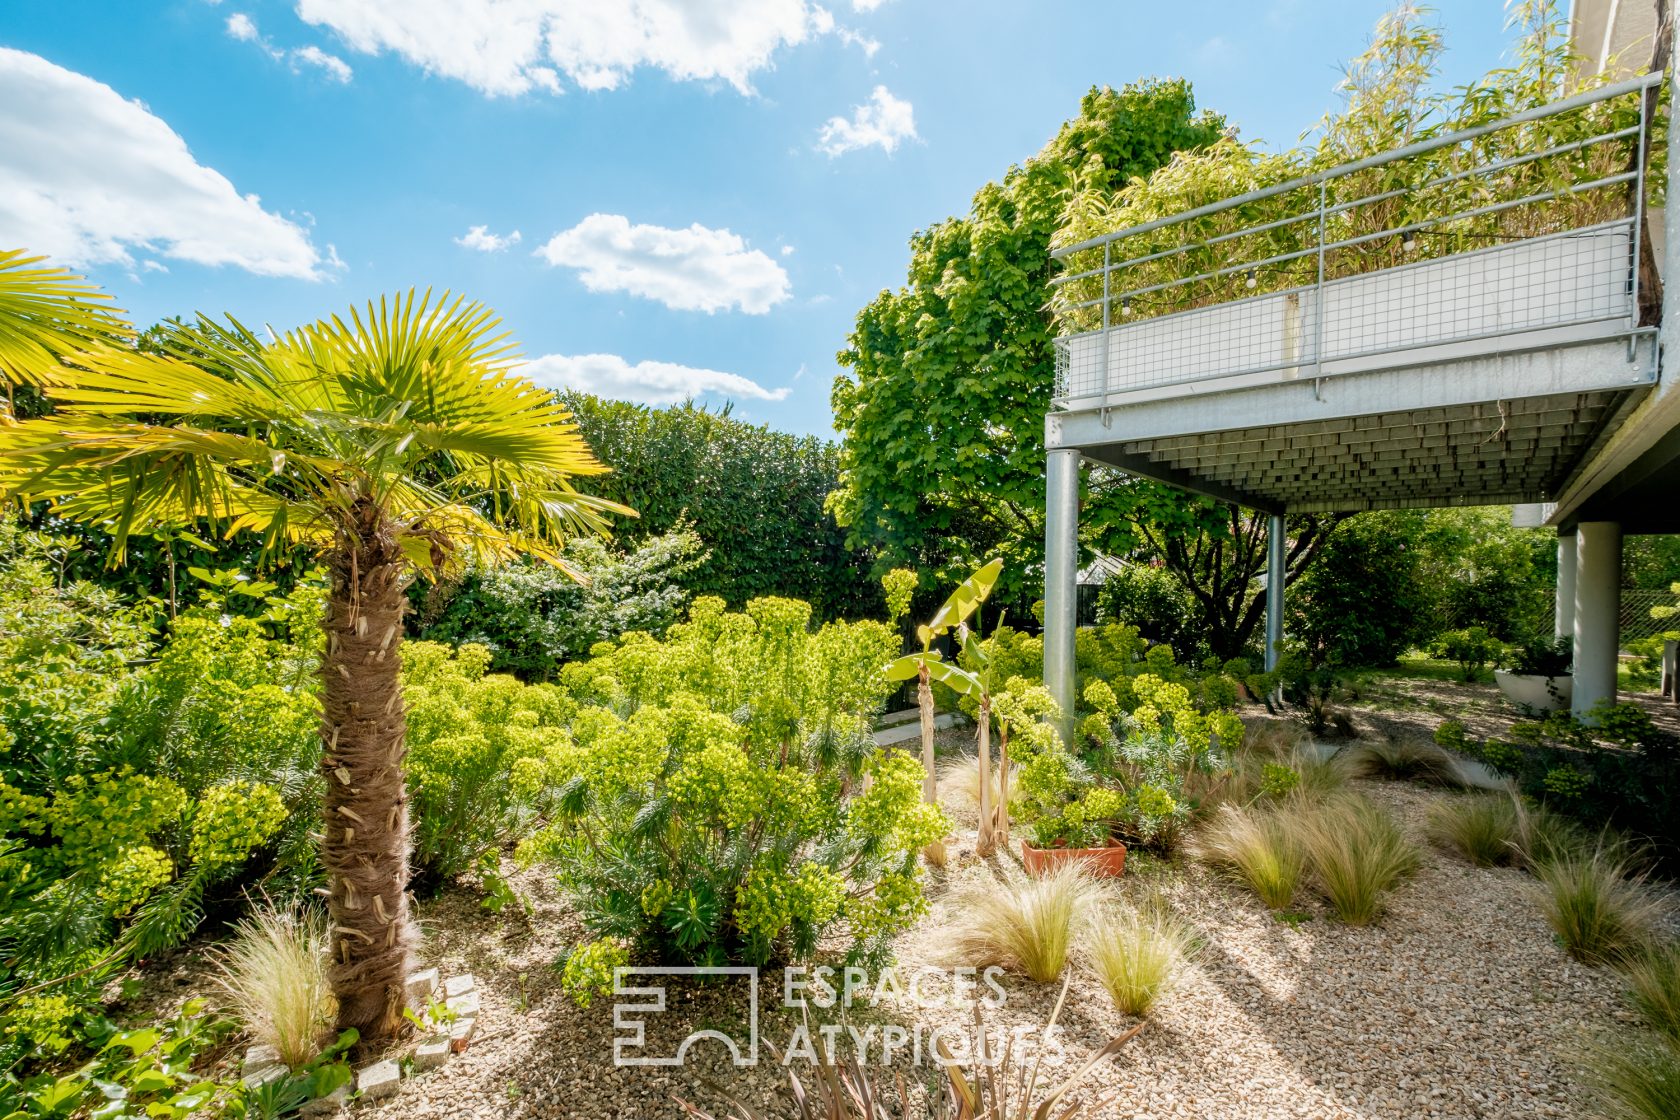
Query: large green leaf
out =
(970, 593)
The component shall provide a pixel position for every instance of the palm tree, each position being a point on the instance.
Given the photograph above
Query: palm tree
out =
(399, 442)
(45, 314)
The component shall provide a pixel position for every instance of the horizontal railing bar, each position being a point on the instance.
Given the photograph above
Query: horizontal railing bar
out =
(1343, 207)
(1348, 243)
(1539, 112)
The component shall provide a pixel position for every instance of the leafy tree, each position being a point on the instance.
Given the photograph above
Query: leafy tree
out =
(396, 442)
(1364, 603)
(531, 616)
(942, 414)
(754, 497)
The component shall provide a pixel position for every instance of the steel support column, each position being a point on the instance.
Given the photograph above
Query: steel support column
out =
(1061, 576)
(1564, 617)
(1598, 603)
(1275, 552)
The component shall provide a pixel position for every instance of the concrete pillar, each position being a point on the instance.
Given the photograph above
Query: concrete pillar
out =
(1564, 620)
(1598, 603)
(1276, 544)
(1061, 577)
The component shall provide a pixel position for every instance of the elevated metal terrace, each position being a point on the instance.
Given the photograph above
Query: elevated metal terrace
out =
(1466, 332)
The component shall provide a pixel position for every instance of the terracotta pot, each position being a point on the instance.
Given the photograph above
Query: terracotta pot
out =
(1108, 863)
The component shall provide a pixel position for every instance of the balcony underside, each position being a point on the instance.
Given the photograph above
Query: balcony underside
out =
(1481, 429)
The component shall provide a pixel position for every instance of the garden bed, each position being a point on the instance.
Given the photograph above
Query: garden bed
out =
(1459, 1004)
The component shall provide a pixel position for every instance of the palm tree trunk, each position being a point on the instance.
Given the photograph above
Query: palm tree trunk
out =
(986, 843)
(1003, 785)
(934, 852)
(365, 843)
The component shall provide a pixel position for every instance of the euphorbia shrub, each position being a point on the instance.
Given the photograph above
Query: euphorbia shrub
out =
(722, 800)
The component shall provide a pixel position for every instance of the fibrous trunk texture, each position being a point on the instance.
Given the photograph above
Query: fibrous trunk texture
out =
(935, 852)
(365, 836)
(986, 844)
(1002, 812)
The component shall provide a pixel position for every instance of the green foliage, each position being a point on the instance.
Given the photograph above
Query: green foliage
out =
(755, 498)
(1473, 648)
(534, 616)
(1153, 601)
(1262, 846)
(589, 968)
(485, 753)
(1362, 603)
(1135, 956)
(941, 413)
(899, 585)
(1654, 978)
(1633, 1079)
(1618, 768)
(154, 1072)
(720, 798)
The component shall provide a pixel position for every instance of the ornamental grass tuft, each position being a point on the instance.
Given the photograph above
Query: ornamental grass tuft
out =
(1600, 912)
(1026, 927)
(1654, 977)
(1358, 854)
(1137, 956)
(1633, 1079)
(1261, 845)
(1482, 828)
(274, 973)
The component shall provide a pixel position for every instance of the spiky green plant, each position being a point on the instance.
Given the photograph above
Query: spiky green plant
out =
(1483, 829)
(1407, 761)
(1357, 854)
(1600, 911)
(1026, 926)
(1261, 846)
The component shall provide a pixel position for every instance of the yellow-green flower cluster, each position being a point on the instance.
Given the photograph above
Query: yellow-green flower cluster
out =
(589, 969)
(232, 820)
(895, 904)
(129, 880)
(900, 585)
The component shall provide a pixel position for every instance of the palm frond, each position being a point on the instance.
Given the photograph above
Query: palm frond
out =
(47, 312)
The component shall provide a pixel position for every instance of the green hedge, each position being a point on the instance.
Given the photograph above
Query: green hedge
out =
(754, 496)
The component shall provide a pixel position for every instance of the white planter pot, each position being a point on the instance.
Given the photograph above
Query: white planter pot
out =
(1540, 694)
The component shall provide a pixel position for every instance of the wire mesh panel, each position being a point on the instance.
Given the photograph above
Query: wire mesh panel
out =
(1521, 225)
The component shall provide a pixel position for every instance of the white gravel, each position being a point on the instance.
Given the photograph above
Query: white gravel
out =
(1458, 1004)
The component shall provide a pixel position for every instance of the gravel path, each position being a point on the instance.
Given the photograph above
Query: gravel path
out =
(1458, 1005)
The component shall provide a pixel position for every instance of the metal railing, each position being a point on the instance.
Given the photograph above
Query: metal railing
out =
(1524, 224)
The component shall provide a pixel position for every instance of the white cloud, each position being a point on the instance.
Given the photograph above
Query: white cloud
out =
(884, 122)
(242, 27)
(89, 176)
(693, 269)
(507, 47)
(787, 250)
(480, 238)
(863, 42)
(609, 375)
(867, 5)
(334, 67)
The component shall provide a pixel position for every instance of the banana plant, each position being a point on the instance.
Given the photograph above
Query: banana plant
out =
(930, 665)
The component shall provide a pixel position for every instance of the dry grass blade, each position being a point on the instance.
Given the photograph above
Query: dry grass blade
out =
(274, 974)
(1261, 846)
(1633, 1079)
(1408, 761)
(1027, 927)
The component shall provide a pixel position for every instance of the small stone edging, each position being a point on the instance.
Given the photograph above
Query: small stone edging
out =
(383, 1078)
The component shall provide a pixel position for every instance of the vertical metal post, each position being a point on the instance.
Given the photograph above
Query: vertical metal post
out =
(1107, 321)
(1563, 619)
(1061, 575)
(1274, 589)
(1637, 239)
(1318, 290)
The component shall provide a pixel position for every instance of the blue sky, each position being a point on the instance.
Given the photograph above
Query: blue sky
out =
(704, 194)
